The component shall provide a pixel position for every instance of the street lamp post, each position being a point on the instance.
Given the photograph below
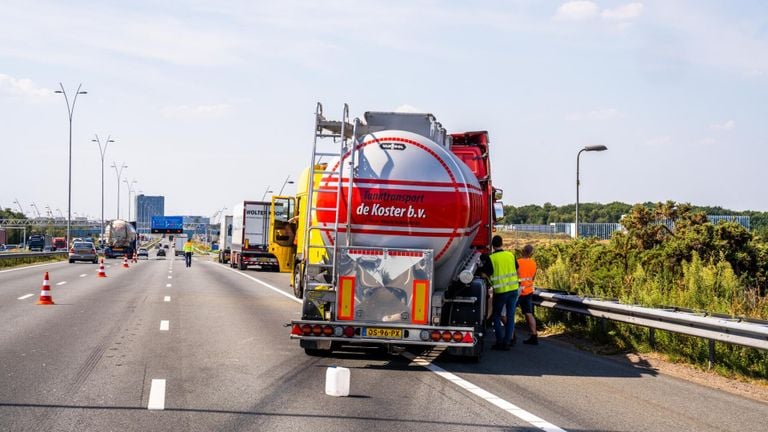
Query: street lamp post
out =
(119, 172)
(102, 152)
(70, 112)
(587, 148)
(287, 181)
(130, 191)
(266, 191)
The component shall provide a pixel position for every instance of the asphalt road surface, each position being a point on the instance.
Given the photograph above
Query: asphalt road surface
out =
(159, 346)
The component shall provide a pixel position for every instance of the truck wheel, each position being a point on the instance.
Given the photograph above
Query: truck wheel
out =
(241, 265)
(71, 261)
(298, 282)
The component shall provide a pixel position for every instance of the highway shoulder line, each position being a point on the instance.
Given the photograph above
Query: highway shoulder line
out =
(31, 266)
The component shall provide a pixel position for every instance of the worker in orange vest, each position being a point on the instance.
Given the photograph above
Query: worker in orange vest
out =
(527, 273)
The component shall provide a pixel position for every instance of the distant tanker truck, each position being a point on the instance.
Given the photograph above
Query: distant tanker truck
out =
(391, 233)
(120, 239)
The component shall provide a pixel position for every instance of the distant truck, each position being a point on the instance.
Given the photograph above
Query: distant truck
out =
(120, 239)
(59, 244)
(178, 244)
(250, 236)
(225, 239)
(37, 243)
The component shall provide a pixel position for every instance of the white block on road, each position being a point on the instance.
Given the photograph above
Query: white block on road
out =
(167, 298)
(157, 395)
(165, 325)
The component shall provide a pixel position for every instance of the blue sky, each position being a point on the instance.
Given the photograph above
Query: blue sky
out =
(211, 102)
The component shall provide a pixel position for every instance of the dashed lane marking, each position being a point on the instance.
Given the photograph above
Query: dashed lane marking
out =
(83, 275)
(25, 297)
(156, 395)
(166, 298)
(167, 285)
(472, 388)
(61, 283)
(170, 277)
(165, 325)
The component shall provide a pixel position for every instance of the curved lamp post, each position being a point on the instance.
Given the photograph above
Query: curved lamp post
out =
(589, 149)
(70, 112)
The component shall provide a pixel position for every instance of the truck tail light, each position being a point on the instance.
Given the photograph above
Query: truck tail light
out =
(317, 330)
(349, 331)
(296, 330)
(446, 336)
(306, 329)
(435, 335)
(457, 336)
(327, 330)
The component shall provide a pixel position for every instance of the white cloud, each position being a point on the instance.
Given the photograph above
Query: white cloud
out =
(405, 108)
(626, 12)
(22, 87)
(601, 114)
(661, 141)
(576, 10)
(196, 112)
(725, 126)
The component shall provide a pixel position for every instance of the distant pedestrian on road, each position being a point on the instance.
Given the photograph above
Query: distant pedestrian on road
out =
(526, 269)
(188, 252)
(505, 292)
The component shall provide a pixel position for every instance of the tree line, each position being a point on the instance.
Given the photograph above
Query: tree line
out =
(612, 213)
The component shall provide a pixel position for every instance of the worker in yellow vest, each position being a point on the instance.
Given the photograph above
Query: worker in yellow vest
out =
(505, 291)
(188, 252)
(526, 269)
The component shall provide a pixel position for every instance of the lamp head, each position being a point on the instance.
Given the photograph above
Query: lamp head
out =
(596, 148)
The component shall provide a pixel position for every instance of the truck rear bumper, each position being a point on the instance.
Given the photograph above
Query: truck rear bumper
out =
(377, 333)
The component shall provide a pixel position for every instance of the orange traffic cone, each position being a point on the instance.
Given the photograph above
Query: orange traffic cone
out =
(125, 262)
(45, 293)
(135, 257)
(102, 273)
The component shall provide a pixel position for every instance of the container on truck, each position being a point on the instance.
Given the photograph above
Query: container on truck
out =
(119, 239)
(59, 243)
(225, 239)
(178, 244)
(250, 236)
(395, 216)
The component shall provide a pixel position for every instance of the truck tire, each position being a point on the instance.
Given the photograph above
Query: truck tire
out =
(298, 281)
(240, 264)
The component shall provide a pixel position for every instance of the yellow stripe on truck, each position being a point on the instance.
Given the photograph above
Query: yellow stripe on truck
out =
(346, 298)
(419, 308)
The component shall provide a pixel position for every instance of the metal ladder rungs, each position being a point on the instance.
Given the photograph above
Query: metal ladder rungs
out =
(327, 154)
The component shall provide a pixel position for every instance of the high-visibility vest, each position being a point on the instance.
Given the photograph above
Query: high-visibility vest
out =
(504, 277)
(188, 247)
(526, 269)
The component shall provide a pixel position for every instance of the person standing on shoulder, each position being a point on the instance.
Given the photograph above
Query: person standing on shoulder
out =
(505, 292)
(188, 252)
(526, 269)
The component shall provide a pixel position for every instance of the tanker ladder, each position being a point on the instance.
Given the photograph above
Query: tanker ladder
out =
(333, 140)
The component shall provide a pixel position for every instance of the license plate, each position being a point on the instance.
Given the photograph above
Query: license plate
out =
(383, 333)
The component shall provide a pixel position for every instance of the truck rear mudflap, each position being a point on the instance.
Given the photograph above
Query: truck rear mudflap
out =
(358, 332)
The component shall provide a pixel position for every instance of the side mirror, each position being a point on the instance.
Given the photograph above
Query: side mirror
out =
(498, 210)
(498, 194)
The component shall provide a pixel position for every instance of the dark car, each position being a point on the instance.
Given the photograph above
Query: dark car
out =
(161, 252)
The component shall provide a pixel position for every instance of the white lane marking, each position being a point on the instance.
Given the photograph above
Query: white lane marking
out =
(157, 395)
(25, 297)
(61, 283)
(83, 275)
(170, 277)
(275, 289)
(170, 271)
(489, 397)
(31, 266)
(166, 298)
(167, 285)
(165, 325)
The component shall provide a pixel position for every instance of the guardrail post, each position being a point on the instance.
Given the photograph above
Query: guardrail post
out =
(711, 354)
(652, 337)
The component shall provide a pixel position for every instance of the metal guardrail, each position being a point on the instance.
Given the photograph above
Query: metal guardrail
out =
(16, 255)
(714, 327)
